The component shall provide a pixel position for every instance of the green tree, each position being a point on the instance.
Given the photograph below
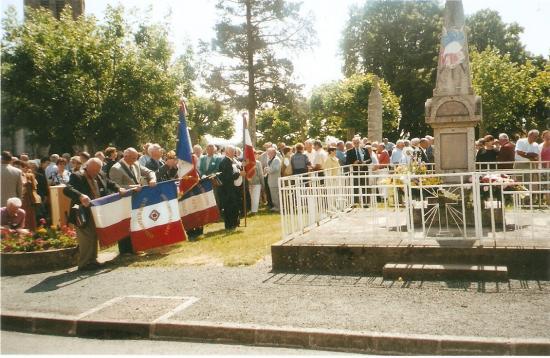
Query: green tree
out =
(207, 116)
(74, 81)
(486, 29)
(341, 108)
(399, 42)
(510, 92)
(249, 34)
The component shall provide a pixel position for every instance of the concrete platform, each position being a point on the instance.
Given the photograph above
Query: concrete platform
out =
(359, 243)
(445, 272)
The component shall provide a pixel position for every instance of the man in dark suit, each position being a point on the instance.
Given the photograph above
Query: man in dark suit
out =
(507, 152)
(83, 187)
(231, 178)
(423, 147)
(355, 157)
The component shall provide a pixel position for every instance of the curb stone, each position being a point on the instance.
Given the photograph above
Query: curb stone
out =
(248, 334)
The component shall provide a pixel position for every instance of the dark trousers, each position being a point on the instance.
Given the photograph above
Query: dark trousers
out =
(231, 204)
(125, 246)
(268, 194)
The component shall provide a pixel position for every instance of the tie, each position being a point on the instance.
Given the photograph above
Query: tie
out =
(358, 155)
(93, 187)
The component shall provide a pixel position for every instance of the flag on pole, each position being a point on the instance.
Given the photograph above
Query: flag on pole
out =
(198, 206)
(249, 158)
(111, 215)
(187, 171)
(155, 219)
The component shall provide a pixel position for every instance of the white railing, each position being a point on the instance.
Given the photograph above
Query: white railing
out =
(465, 205)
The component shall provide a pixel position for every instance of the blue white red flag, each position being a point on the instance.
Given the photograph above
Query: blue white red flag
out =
(198, 206)
(187, 171)
(112, 218)
(155, 219)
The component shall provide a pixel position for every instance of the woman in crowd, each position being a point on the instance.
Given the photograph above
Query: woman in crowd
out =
(76, 164)
(30, 200)
(255, 185)
(169, 170)
(61, 176)
(300, 162)
(332, 164)
(286, 168)
(488, 153)
(545, 149)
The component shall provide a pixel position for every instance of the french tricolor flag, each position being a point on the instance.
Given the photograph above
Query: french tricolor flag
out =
(187, 172)
(112, 218)
(155, 218)
(198, 206)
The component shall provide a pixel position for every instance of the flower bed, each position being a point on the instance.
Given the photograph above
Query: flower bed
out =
(45, 249)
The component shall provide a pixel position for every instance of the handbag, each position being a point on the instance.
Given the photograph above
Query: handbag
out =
(78, 216)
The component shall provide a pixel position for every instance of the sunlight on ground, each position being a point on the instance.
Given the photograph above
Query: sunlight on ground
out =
(217, 247)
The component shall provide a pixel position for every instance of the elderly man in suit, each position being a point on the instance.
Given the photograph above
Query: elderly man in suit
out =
(127, 173)
(355, 157)
(272, 174)
(91, 183)
(12, 179)
(209, 162)
(230, 195)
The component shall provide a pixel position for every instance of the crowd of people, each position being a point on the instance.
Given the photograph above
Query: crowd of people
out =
(25, 198)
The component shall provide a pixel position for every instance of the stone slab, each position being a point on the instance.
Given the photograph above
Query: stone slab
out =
(414, 271)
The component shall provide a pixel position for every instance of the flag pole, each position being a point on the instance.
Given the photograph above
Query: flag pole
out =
(244, 166)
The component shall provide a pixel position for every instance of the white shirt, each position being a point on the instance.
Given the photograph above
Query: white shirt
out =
(319, 158)
(396, 155)
(310, 156)
(524, 146)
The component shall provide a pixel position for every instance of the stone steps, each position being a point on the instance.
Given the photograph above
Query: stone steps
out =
(420, 271)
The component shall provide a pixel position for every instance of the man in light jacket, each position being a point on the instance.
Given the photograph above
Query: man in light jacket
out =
(272, 174)
(127, 173)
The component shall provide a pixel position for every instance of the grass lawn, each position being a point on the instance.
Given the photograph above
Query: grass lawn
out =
(244, 246)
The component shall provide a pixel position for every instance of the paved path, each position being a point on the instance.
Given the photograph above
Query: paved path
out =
(256, 296)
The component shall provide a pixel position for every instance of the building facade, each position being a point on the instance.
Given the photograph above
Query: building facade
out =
(56, 6)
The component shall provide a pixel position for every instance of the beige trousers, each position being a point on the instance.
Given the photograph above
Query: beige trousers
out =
(87, 244)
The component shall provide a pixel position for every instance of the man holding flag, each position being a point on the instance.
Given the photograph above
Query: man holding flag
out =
(249, 163)
(83, 187)
(187, 171)
(231, 178)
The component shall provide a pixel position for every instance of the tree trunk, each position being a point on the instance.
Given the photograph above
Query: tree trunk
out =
(250, 67)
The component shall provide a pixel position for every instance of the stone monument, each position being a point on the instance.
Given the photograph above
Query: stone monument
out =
(454, 110)
(375, 113)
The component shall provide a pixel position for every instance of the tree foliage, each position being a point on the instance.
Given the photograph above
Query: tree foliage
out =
(398, 41)
(249, 35)
(510, 92)
(342, 105)
(486, 29)
(76, 81)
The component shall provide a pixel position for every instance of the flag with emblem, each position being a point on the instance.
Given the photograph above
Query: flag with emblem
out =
(187, 171)
(155, 219)
(198, 206)
(111, 215)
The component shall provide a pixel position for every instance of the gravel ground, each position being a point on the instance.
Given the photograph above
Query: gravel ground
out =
(255, 295)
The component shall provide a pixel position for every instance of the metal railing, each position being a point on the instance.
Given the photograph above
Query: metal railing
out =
(481, 204)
